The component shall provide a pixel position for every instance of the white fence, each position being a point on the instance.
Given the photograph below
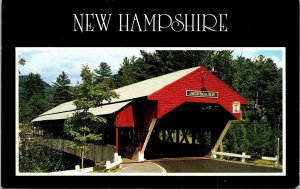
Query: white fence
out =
(117, 161)
(243, 156)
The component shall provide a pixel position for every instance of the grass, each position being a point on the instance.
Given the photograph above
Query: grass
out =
(114, 170)
(102, 169)
(258, 162)
(262, 162)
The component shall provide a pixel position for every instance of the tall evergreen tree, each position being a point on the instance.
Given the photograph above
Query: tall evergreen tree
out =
(33, 103)
(127, 72)
(33, 85)
(102, 72)
(85, 127)
(61, 89)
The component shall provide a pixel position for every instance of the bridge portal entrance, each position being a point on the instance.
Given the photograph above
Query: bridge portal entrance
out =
(192, 129)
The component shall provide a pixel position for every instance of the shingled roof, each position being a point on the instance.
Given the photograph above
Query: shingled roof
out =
(126, 94)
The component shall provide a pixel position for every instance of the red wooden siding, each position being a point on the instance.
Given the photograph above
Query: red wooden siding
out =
(138, 114)
(174, 94)
(125, 117)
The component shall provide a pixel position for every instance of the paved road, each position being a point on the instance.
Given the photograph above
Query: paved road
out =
(142, 167)
(210, 166)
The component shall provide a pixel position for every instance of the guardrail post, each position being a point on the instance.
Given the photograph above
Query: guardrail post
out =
(213, 155)
(277, 160)
(141, 157)
(77, 167)
(107, 165)
(243, 157)
(115, 156)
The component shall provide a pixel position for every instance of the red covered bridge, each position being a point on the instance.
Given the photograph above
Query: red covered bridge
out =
(171, 114)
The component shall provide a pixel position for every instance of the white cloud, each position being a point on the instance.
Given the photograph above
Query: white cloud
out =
(252, 54)
(50, 62)
(277, 61)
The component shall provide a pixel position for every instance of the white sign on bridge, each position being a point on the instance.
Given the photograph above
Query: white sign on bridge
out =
(236, 107)
(202, 94)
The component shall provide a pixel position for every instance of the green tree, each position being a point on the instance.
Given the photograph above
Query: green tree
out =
(85, 127)
(223, 65)
(237, 139)
(126, 73)
(259, 82)
(273, 102)
(102, 73)
(36, 154)
(32, 102)
(33, 85)
(61, 89)
(33, 108)
(256, 139)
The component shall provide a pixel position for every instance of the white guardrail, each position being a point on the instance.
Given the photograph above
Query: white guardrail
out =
(243, 156)
(117, 161)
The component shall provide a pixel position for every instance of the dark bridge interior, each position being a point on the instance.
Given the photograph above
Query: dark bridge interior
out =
(191, 129)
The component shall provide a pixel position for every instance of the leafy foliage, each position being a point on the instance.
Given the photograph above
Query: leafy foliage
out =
(99, 168)
(85, 127)
(127, 72)
(33, 108)
(256, 139)
(33, 85)
(35, 154)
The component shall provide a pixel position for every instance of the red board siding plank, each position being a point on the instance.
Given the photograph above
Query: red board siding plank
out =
(124, 118)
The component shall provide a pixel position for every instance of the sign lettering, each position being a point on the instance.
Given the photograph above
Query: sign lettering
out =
(202, 94)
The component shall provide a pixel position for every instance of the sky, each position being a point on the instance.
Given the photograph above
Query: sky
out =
(50, 62)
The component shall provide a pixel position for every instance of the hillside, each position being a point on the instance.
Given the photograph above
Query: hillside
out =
(22, 79)
(48, 89)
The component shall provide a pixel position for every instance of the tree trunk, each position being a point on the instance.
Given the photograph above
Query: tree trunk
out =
(82, 159)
